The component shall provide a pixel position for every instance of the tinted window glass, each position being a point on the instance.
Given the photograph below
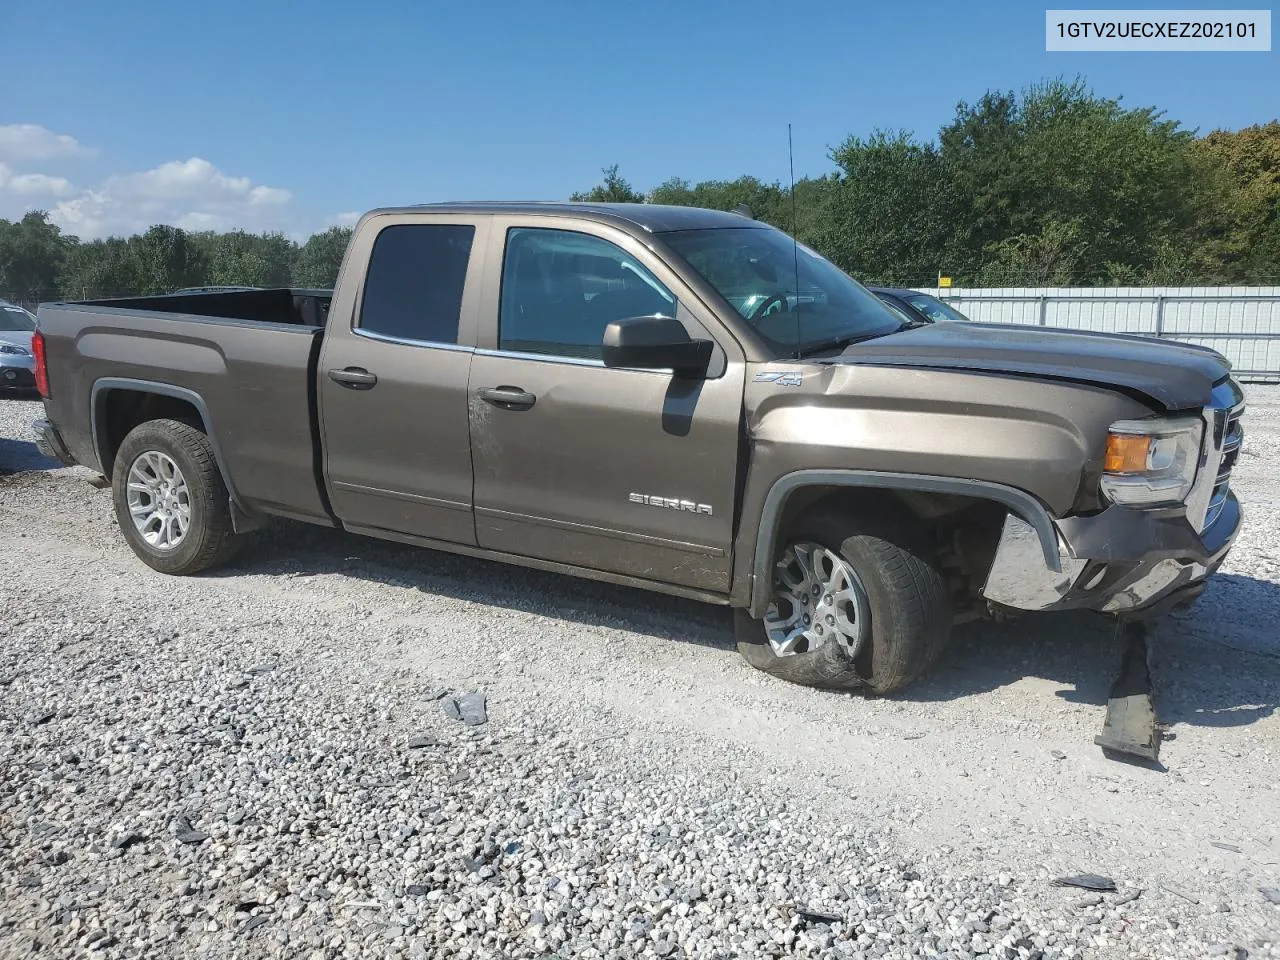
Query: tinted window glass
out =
(787, 293)
(15, 318)
(561, 289)
(416, 275)
(934, 308)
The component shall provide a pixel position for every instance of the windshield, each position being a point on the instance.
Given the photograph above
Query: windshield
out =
(933, 308)
(756, 270)
(15, 318)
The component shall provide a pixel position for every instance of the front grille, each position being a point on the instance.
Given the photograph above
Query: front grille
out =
(1232, 439)
(1223, 436)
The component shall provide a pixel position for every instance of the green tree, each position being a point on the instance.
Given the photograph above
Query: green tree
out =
(244, 259)
(320, 258)
(887, 214)
(162, 260)
(33, 252)
(614, 189)
(1236, 192)
(1060, 153)
(100, 268)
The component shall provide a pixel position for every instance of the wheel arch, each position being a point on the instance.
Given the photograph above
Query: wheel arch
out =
(118, 404)
(794, 492)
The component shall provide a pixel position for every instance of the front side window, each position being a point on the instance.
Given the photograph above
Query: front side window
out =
(794, 299)
(560, 290)
(417, 272)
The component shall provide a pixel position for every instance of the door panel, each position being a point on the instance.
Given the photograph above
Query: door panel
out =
(622, 470)
(393, 379)
(399, 453)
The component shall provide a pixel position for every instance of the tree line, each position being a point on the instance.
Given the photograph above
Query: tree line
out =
(1054, 185)
(40, 262)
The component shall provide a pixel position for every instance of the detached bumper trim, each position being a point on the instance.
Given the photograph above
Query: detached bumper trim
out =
(49, 442)
(1113, 562)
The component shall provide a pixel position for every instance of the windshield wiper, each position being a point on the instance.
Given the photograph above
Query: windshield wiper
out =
(839, 343)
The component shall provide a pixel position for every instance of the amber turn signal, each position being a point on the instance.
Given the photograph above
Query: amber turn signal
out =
(1126, 453)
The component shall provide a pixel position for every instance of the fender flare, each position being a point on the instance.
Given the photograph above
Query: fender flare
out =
(243, 518)
(1016, 501)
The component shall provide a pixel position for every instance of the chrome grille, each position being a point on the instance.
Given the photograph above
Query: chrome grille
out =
(1223, 437)
(1232, 439)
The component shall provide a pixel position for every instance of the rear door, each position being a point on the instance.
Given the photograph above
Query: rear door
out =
(393, 377)
(627, 471)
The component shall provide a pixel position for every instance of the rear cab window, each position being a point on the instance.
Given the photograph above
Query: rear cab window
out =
(414, 285)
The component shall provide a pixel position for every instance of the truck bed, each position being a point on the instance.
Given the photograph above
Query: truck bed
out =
(245, 360)
(305, 307)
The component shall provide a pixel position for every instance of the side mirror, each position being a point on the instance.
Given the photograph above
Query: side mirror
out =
(655, 343)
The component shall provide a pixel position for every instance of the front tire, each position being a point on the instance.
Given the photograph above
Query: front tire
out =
(170, 499)
(855, 602)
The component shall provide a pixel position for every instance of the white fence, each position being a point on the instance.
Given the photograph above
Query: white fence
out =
(1242, 323)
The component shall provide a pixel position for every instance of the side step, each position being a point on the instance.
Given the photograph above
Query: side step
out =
(1130, 726)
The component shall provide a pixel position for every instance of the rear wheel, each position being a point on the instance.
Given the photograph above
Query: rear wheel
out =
(855, 603)
(170, 499)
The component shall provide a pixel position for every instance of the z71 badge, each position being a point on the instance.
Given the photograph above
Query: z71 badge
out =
(779, 378)
(671, 503)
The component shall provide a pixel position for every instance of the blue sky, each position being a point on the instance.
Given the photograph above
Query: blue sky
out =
(287, 116)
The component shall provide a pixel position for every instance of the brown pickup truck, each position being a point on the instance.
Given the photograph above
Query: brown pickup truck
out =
(665, 397)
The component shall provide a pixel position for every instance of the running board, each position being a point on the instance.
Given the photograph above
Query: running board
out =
(1130, 726)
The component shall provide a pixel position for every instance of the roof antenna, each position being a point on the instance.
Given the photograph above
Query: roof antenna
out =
(795, 244)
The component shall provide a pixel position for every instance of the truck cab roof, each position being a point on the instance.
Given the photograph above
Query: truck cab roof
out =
(650, 217)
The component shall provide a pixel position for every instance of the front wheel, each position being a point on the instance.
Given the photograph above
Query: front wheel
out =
(170, 498)
(854, 603)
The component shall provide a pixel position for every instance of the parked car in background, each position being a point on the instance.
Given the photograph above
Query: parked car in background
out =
(17, 366)
(919, 307)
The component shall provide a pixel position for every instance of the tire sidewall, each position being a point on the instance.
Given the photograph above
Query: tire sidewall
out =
(157, 436)
(885, 660)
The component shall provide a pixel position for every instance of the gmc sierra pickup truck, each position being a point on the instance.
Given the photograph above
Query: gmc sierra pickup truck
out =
(671, 398)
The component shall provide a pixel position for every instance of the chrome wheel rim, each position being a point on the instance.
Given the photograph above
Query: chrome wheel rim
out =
(817, 599)
(159, 501)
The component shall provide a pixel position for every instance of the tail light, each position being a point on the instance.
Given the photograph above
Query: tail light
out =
(42, 371)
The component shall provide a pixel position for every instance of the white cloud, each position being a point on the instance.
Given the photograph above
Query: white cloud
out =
(347, 219)
(192, 194)
(20, 142)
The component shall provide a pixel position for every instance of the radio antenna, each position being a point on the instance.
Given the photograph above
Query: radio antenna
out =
(795, 244)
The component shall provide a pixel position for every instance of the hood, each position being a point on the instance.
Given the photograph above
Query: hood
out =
(1177, 376)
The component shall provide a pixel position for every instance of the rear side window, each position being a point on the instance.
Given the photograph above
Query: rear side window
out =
(413, 290)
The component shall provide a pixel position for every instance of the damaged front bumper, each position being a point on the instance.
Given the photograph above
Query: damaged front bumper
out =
(1121, 561)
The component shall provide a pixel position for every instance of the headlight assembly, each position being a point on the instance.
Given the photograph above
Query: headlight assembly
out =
(1151, 462)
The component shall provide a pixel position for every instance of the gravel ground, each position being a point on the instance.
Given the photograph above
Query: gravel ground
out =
(260, 762)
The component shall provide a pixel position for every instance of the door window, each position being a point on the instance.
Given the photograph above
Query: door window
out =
(560, 289)
(413, 290)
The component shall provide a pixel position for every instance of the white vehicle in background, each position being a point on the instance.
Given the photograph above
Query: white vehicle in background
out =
(17, 365)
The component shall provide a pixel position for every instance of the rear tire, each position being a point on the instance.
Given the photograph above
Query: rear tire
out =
(903, 614)
(178, 495)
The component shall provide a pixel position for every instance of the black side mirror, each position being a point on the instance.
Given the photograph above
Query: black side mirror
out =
(655, 343)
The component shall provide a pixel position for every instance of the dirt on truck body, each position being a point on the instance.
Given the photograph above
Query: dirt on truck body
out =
(666, 397)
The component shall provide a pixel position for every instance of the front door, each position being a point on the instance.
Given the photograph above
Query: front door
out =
(629, 471)
(393, 383)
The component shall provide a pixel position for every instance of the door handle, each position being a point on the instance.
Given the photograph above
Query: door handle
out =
(354, 378)
(509, 398)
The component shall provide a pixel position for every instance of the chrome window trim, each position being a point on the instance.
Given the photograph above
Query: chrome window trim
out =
(409, 342)
(572, 361)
